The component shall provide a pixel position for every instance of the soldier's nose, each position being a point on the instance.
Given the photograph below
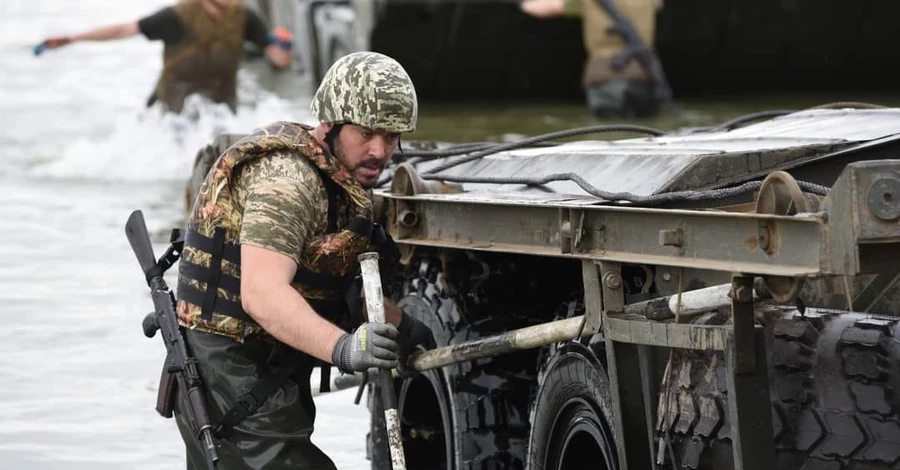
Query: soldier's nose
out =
(379, 148)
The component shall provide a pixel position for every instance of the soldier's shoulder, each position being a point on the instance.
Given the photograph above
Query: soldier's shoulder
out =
(282, 164)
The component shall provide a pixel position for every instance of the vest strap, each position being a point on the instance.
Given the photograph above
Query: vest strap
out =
(223, 306)
(231, 253)
(227, 282)
(212, 280)
(360, 226)
(318, 280)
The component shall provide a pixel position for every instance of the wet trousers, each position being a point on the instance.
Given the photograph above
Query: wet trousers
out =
(277, 436)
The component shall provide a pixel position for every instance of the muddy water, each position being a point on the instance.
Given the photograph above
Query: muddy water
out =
(79, 153)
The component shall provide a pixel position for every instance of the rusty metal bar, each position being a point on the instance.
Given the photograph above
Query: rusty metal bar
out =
(720, 241)
(618, 328)
(669, 335)
(524, 338)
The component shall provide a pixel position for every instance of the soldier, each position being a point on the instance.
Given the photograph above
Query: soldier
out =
(203, 48)
(610, 92)
(271, 243)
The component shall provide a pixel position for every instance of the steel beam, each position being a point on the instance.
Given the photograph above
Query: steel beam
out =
(722, 241)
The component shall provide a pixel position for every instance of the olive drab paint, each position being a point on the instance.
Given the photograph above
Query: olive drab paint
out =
(602, 45)
(218, 206)
(206, 60)
(367, 89)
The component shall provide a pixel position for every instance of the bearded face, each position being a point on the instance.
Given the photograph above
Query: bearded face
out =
(365, 152)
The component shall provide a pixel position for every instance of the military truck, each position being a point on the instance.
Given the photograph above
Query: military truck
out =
(703, 299)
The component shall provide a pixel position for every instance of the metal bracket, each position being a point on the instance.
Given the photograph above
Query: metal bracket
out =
(613, 290)
(593, 299)
(571, 229)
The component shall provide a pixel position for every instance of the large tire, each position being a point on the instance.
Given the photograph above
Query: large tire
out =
(571, 416)
(482, 405)
(833, 378)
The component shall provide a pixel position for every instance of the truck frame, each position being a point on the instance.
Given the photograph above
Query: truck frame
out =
(711, 298)
(773, 247)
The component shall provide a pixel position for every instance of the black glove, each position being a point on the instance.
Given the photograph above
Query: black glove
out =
(371, 345)
(413, 334)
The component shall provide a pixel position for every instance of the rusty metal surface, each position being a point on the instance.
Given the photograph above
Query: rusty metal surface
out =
(711, 240)
(702, 160)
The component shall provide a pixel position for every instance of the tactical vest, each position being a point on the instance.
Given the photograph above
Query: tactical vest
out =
(206, 59)
(209, 271)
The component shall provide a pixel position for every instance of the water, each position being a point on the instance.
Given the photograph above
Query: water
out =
(77, 377)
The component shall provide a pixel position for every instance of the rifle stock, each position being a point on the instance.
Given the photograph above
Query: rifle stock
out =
(139, 239)
(164, 318)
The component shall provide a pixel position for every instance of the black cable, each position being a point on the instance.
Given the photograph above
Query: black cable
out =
(551, 136)
(740, 120)
(623, 196)
(459, 150)
(535, 140)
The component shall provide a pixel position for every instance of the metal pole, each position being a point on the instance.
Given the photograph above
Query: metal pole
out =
(524, 338)
(555, 331)
(384, 383)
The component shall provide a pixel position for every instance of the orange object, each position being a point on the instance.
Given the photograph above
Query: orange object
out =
(282, 34)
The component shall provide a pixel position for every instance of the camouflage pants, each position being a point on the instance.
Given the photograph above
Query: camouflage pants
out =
(277, 436)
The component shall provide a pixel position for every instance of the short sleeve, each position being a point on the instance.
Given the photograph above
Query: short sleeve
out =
(162, 25)
(255, 30)
(283, 204)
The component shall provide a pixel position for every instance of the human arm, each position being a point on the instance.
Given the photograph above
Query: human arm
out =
(278, 56)
(277, 46)
(268, 297)
(283, 207)
(543, 8)
(105, 33)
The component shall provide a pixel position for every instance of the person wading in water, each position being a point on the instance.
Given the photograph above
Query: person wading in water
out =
(203, 48)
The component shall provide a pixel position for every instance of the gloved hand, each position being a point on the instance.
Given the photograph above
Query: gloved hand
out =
(371, 345)
(413, 334)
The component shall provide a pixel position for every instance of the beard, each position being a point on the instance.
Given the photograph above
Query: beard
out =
(362, 171)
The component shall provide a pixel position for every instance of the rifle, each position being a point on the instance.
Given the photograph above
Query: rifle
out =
(179, 368)
(635, 48)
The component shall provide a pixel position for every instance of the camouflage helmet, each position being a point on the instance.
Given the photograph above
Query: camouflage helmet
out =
(367, 89)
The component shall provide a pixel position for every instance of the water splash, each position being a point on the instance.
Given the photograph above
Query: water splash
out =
(153, 145)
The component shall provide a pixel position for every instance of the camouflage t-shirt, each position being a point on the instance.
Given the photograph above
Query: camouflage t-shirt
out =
(283, 201)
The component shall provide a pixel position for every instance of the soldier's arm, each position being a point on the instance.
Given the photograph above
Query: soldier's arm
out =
(278, 45)
(106, 33)
(268, 297)
(543, 8)
(282, 208)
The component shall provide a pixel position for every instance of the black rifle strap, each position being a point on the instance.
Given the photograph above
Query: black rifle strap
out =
(261, 390)
(324, 377)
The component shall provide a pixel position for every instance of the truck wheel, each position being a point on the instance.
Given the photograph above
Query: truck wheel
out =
(570, 416)
(466, 416)
(833, 381)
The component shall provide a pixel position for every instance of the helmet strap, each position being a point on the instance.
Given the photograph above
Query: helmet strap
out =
(332, 134)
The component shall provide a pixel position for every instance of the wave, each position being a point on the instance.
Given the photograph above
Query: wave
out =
(153, 145)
